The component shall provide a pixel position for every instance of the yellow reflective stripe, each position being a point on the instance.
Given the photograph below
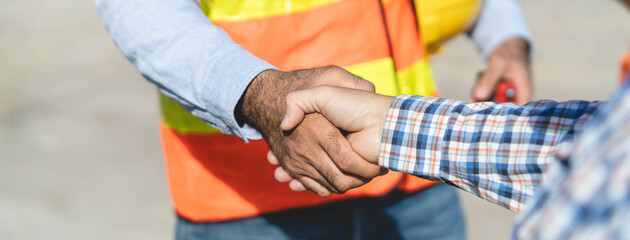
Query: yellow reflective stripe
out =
(417, 79)
(175, 117)
(239, 10)
(380, 72)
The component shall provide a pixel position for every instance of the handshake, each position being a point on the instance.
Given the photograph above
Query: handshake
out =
(360, 114)
(328, 136)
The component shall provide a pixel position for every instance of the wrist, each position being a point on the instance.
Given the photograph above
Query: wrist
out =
(261, 102)
(385, 103)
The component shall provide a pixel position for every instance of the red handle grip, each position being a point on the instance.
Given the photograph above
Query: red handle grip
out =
(505, 92)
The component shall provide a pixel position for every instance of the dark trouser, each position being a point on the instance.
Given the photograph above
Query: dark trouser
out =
(433, 213)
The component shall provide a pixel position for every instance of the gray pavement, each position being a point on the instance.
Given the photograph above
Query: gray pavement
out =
(80, 156)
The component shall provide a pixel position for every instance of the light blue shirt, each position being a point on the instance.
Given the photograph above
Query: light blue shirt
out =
(174, 46)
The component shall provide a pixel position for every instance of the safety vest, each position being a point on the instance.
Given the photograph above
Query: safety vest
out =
(217, 177)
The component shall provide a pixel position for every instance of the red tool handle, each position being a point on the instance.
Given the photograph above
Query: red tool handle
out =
(505, 92)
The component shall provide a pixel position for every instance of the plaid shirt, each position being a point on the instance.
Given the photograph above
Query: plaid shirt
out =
(499, 152)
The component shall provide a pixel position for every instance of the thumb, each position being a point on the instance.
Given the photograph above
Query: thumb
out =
(299, 103)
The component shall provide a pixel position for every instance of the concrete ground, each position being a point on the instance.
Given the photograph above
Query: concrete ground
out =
(80, 155)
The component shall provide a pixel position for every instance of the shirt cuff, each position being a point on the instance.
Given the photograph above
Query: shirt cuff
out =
(412, 135)
(232, 73)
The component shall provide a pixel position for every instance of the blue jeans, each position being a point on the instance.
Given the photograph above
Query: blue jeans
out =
(433, 213)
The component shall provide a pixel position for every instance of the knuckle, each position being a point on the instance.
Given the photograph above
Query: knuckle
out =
(344, 162)
(293, 171)
(310, 123)
(368, 85)
(328, 172)
(332, 180)
(333, 72)
(343, 187)
(294, 167)
(333, 68)
(299, 150)
(331, 141)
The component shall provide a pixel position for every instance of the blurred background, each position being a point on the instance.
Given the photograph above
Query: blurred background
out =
(80, 155)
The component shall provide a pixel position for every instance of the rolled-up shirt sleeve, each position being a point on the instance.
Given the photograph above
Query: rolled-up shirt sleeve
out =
(176, 48)
(498, 21)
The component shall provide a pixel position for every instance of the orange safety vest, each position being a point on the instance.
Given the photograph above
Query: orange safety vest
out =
(217, 177)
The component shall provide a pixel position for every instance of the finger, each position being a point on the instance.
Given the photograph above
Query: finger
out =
(282, 176)
(523, 94)
(488, 81)
(308, 176)
(313, 167)
(272, 158)
(311, 185)
(331, 177)
(338, 181)
(314, 162)
(298, 104)
(521, 78)
(297, 186)
(344, 156)
(337, 149)
(341, 106)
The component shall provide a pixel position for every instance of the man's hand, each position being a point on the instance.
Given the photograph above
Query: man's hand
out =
(315, 153)
(509, 62)
(360, 113)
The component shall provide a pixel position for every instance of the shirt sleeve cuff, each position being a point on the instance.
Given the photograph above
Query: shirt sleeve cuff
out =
(411, 140)
(232, 73)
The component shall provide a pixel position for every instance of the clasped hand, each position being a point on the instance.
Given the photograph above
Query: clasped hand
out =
(359, 113)
(312, 151)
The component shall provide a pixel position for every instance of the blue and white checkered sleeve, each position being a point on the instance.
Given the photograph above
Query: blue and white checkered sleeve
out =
(495, 151)
(586, 195)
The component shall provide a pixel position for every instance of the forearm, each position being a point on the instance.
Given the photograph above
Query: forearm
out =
(176, 47)
(495, 151)
(499, 21)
